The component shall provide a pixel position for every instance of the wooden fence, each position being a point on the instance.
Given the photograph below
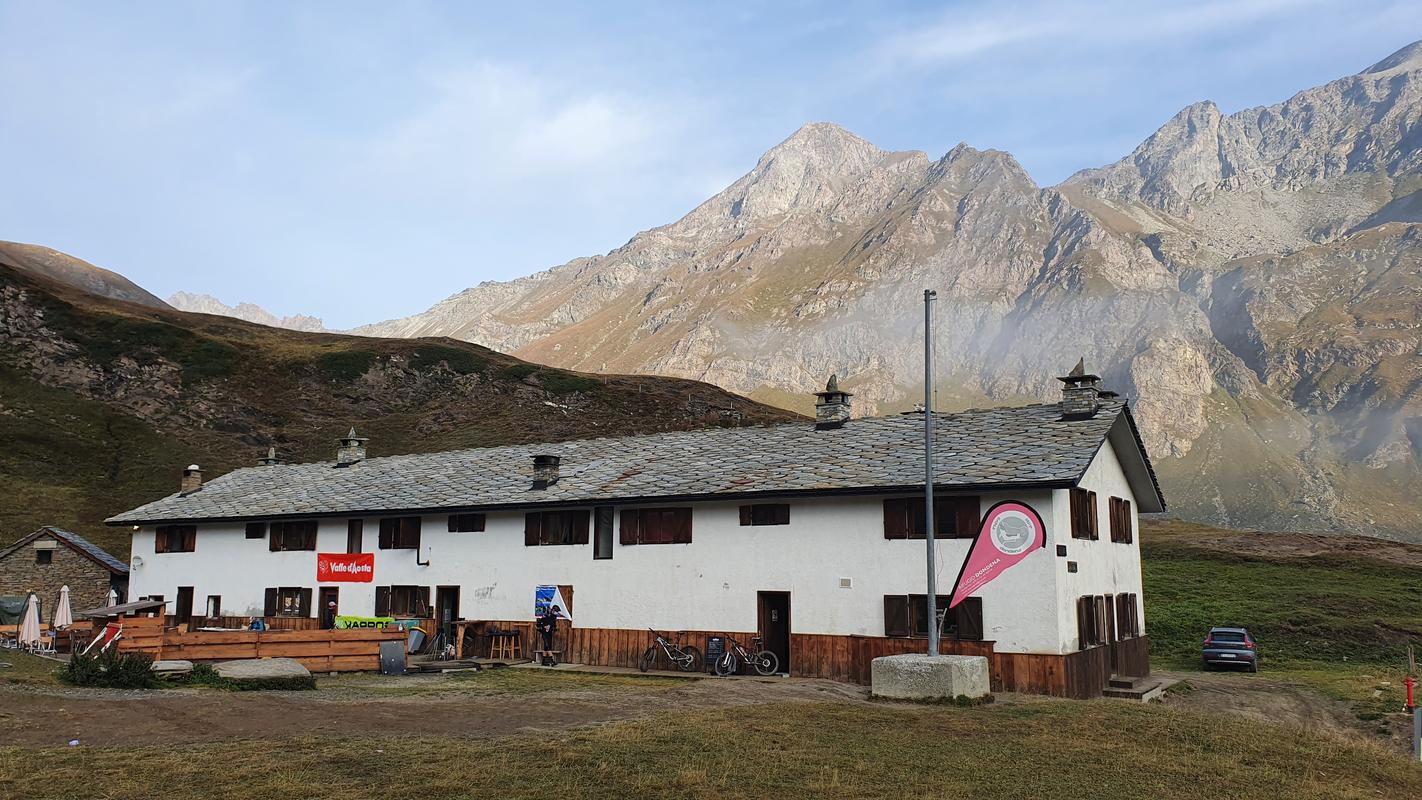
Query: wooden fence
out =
(318, 650)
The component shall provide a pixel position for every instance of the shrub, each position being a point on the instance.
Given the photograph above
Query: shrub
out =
(110, 669)
(462, 362)
(344, 366)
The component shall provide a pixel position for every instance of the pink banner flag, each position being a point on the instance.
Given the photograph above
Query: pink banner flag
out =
(1010, 532)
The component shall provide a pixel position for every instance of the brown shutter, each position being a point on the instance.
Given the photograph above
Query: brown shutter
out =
(745, 515)
(630, 527)
(382, 601)
(896, 524)
(681, 521)
(387, 534)
(305, 600)
(277, 536)
(1081, 617)
(189, 538)
(1091, 515)
(423, 608)
(160, 541)
(580, 526)
(1126, 520)
(532, 528)
(896, 615)
(967, 518)
(970, 619)
(270, 603)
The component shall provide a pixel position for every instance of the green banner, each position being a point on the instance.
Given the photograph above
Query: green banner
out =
(343, 623)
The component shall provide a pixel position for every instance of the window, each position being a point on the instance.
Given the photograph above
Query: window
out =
(1128, 620)
(555, 527)
(402, 601)
(1091, 620)
(294, 535)
(256, 530)
(766, 514)
(214, 605)
(400, 533)
(602, 532)
(907, 615)
(44, 556)
(466, 523)
(355, 536)
(656, 526)
(953, 518)
(175, 539)
(1121, 520)
(288, 601)
(1083, 514)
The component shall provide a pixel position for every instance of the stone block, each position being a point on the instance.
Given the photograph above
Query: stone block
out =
(923, 677)
(261, 668)
(173, 667)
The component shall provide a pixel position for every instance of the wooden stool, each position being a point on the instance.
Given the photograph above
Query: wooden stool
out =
(506, 645)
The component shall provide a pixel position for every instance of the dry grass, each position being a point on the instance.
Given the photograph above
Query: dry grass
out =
(27, 670)
(507, 681)
(1039, 750)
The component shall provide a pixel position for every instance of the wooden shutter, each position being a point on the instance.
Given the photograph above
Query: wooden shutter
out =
(630, 528)
(422, 607)
(305, 600)
(896, 518)
(745, 515)
(387, 534)
(896, 615)
(1081, 623)
(160, 539)
(579, 522)
(1091, 515)
(189, 538)
(532, 528)
(970, 619)
(277, 538)
(967, 520)
(680, 519)
(269, 603)
(382, 601)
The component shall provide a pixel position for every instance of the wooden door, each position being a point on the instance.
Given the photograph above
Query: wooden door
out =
(183, 611)
(324, 610)
(446, 607)
(774, 622)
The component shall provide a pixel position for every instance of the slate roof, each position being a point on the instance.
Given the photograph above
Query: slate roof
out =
(76, 542)
(1029, 446)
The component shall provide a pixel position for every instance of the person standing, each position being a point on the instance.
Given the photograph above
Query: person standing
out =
(546, 624)
(328, 616)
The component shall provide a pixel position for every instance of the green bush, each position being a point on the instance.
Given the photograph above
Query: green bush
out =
(205, 675)
(463, 362)
(110, 669)
(344, 366)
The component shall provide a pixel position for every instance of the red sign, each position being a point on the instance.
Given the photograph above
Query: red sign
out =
(1011, 531)
(345, 567)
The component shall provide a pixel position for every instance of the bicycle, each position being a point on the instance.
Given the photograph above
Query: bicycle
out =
(764, 661)
(684, 657)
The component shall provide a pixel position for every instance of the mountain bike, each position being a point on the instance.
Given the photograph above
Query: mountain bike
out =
(684, 657)
(764, 661)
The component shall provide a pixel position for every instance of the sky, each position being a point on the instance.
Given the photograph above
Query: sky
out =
(360, 161)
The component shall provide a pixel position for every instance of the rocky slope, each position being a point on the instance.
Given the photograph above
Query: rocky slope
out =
(251, 312)
(68, 270)
(103, 402)
(1251, 279)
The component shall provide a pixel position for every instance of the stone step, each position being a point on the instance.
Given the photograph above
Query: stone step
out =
(1123, 681)
(1145, 691)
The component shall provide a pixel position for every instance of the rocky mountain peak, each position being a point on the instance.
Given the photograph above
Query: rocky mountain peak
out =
(1407, 59)
(251, 312)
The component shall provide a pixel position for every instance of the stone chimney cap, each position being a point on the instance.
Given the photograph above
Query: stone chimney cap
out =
(194, 468)
(352, 437)
(1079, 374)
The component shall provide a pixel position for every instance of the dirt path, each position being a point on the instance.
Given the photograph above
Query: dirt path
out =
(1264, 699)
(52, 717)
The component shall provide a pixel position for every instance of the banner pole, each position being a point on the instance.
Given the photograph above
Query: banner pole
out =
(928, 297)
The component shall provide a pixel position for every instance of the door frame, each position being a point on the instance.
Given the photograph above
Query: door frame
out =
(1111, 632)
(761, 616)
(322, 593)
(179, 616)
(440, 593)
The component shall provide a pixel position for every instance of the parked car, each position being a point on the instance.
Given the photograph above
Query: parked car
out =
(1230, 646)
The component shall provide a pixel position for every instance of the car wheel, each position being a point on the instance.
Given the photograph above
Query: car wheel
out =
(1254, 666)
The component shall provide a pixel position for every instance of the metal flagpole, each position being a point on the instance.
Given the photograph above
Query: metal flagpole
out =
(928, 297)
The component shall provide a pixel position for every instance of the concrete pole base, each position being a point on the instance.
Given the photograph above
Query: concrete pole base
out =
(924, 677)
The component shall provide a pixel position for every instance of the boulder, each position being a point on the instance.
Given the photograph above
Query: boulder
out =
(923, 677)
(173, 667)
(261, 669)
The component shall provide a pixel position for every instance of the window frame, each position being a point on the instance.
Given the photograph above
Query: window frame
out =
(396, 533)
(255, 530)
(44, 557)
(672, 524)
(185, 536)
(905, 517)
(765, 514)
(467, 523)
(417, 596)
(604, 520)
(1121, 520)
(1084, 515)
(275, 595)
(355, 536)
(570, 525)
(906, 617)
(292, 535)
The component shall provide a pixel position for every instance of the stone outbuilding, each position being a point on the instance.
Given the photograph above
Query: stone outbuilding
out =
(50, 558)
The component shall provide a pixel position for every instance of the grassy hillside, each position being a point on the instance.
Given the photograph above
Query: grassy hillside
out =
(103, 402)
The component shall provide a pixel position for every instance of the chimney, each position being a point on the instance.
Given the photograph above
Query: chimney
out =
(192, 479)
(270, 460)
(545, 470)
(832, 408)
(1081, 393)
(352, 449)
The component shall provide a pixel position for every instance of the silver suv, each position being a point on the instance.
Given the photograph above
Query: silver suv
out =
(1230, 646)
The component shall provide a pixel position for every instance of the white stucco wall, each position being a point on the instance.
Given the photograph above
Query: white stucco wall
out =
(1103, 566)
(710, 584)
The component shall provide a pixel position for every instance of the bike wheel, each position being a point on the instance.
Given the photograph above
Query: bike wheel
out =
(725, 665)
(692, 661)
(648, 659)
(767, 663)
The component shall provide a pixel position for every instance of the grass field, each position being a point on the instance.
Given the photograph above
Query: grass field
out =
(1337, 621)
(1039, 750)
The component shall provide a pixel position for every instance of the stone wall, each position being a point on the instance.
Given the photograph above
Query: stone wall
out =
(88, 582)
